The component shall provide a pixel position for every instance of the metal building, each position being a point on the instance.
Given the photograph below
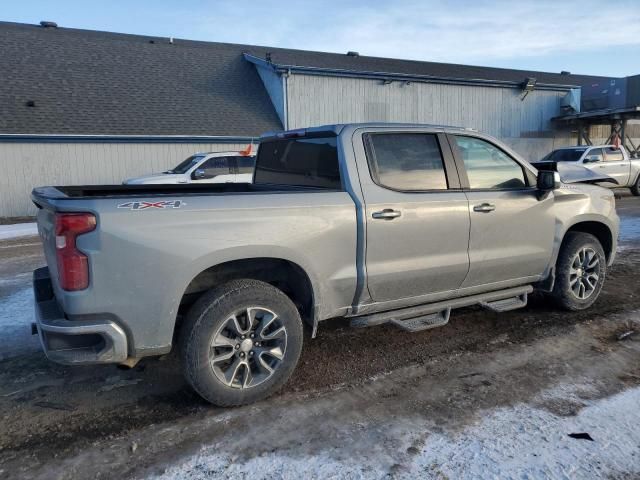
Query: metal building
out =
(80, 106)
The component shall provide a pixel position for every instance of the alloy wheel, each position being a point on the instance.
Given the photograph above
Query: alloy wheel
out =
(584, 273)
(248, 348)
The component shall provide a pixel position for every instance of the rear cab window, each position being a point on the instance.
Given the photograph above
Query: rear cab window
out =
(304, 161)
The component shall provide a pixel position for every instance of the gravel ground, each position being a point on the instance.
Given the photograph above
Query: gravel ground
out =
(481, 395)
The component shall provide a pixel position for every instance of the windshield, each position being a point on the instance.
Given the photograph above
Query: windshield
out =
(566, 155)
(183, 167)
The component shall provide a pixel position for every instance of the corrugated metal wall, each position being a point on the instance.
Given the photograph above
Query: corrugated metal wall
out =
(316, 100)
(524, 124)
(28, 165)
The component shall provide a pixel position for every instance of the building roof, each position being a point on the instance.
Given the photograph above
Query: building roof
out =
(364, 65)
(87, 82)
(102, 83)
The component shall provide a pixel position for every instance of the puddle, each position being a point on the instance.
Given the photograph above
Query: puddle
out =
(629, 229)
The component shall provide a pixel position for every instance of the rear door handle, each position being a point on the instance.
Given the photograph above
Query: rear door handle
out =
(386, 214)
(484, 207)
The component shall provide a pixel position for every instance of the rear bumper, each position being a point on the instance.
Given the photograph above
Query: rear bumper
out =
(74, 342)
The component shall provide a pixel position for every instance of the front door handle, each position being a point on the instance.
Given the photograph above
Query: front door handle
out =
(484, 207)
(386, 214)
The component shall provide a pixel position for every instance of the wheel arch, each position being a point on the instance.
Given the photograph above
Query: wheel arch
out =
(283, 273)
(593, 226)
(599, 230)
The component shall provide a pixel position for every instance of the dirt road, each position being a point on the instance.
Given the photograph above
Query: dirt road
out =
(363, 403)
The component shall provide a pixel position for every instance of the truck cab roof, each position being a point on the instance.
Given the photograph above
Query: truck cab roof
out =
(336, 129)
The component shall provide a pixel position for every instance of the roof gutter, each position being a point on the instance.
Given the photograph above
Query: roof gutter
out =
(337, 72)
(63, 138)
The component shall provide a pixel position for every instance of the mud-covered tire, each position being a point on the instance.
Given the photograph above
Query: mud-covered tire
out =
(574, 276)
(635, 189)
(252, 304)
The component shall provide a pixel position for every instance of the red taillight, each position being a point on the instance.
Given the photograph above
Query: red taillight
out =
(73, 265)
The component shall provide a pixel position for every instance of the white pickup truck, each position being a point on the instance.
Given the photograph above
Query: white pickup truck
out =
(213, 167)
(605, 159)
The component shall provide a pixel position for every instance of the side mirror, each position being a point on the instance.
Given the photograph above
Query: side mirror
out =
(199, 174)
(548, 180)
(591, 159)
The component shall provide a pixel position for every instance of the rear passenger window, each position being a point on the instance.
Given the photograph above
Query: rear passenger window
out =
(613, 155)
(487, 166)
(407, 161)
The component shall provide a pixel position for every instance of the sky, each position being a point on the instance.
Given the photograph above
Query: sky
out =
(588, 36)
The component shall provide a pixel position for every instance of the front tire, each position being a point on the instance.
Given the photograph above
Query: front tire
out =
(240, 342)
(580, 271)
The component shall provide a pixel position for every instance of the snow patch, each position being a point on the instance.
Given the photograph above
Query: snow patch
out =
(525, 442)
(515, 442)
(270, 466)
(18, 230)
(16, 315)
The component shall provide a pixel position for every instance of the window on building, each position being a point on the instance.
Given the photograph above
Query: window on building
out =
(487, 166)
(407, 161)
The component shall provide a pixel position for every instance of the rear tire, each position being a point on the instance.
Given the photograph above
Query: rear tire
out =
(240, 342)
(580, 271)
(635, 189)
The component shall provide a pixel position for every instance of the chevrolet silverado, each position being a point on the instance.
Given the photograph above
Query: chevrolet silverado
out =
(380, 223)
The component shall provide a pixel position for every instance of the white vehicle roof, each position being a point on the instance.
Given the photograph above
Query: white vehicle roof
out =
(225, 154)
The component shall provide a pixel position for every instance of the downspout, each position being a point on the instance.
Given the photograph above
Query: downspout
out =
(285, 98)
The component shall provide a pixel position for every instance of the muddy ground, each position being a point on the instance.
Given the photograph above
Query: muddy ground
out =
(357, 393)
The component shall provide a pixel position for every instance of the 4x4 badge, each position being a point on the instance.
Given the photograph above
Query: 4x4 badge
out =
(152, 205)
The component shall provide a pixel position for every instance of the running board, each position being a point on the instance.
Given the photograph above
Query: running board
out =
(506, 304)
(432, 315)
(424, 322)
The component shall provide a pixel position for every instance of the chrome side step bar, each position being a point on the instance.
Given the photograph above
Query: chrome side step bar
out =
(423, 317)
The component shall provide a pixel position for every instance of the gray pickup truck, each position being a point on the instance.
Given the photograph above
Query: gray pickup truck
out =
(380, 223)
